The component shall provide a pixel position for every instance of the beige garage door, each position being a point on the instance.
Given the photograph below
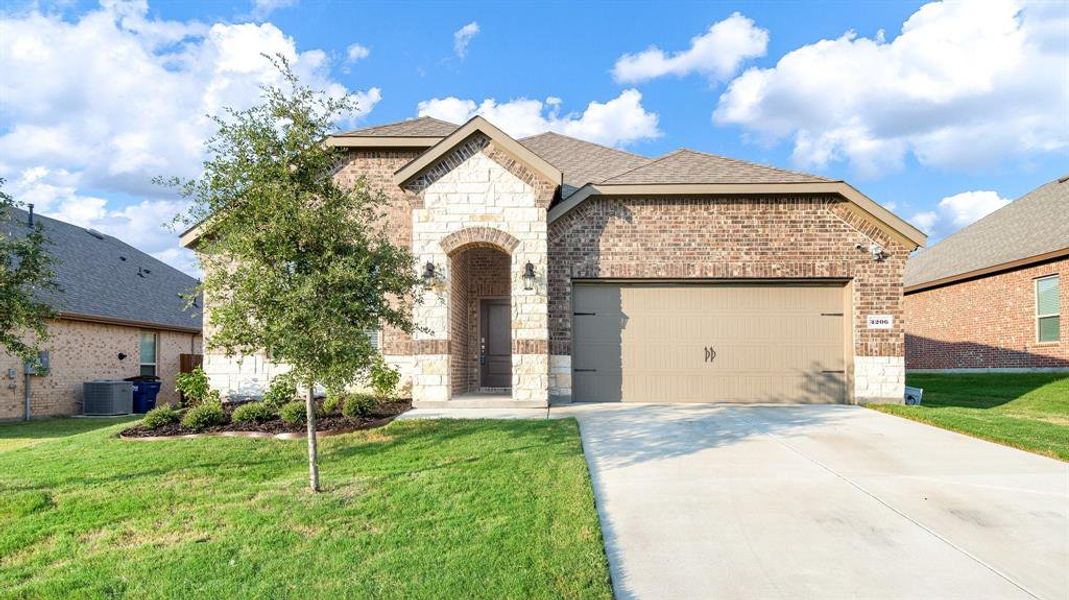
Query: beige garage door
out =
(708, 343)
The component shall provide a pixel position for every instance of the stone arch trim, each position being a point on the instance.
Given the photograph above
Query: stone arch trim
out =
(479, 236)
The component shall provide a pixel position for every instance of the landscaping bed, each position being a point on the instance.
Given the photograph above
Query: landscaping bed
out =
(380, 415)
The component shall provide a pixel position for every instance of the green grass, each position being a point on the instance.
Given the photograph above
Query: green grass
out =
(418, 509)
(1029, 411)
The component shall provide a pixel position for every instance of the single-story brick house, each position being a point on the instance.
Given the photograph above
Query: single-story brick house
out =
(119, 315)
(991, 296)
(565, 270)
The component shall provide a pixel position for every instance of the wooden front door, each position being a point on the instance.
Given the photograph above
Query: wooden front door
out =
(495, 344)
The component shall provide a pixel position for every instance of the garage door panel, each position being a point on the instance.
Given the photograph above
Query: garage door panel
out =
(647, 343)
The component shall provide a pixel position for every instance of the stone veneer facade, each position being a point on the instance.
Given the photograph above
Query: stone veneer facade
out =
(81, 351)
(479, 197)
(479, 215)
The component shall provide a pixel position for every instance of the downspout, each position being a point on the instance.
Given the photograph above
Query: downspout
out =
(26, 394)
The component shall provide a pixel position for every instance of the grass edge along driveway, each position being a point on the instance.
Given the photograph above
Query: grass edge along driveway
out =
(418, 509)
(1029, 411)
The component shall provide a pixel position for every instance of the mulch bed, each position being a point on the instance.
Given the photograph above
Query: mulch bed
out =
(325, 424)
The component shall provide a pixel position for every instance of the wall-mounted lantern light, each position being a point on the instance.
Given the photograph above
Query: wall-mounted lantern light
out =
(528, 276)
(428, 273)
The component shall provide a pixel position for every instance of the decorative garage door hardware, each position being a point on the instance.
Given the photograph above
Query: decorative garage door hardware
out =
(584, 314)
(831, 314)
(710, 354)
(586, 370)
(833, 371)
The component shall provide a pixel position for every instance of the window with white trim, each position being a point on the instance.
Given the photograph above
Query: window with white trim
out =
(149, 350)
(375, 337)
(1048, 309)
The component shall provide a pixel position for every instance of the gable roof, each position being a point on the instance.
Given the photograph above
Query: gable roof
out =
(582, 162)
(1032, 228)
(688, 166)
(104, 279)
(418, 127)
(421, 132)
(480, 125)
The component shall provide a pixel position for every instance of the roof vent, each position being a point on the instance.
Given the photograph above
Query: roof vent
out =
(95, 233)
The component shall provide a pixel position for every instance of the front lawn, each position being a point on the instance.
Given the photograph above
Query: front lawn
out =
(1025, 410)
(418, 509)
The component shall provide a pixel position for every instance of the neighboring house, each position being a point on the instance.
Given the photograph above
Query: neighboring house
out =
(561, 269)
(119, 315)
(993, 295)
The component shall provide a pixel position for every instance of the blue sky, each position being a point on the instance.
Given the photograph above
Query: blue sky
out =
(942, 112)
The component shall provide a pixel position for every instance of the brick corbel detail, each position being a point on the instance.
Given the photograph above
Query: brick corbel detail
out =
(486, 237)
(430, 346)
(530, 346)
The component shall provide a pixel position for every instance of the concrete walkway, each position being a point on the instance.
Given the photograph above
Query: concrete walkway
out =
(720, 501)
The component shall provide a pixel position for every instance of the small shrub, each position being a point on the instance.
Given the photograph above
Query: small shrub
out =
(359, 405)
(206, 415)
(283, 389)
(292, 413)
(333, 402)
(253, 412)
(160, 416)
(383, 378)
(193, 386)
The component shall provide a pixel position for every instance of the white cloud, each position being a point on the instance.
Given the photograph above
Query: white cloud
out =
(618, 122)
(965, 85)
(954, 212)
(82, 118)
(262, 8)
(717, 53)
(356, 52)
(462, 37)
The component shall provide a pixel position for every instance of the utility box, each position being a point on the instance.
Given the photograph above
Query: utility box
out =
(913, 395)
(40, 366)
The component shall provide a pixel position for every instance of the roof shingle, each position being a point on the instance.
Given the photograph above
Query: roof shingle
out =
(1034, 224)
(688, 166)
(419, 127)
(105, 278)
(581, 162)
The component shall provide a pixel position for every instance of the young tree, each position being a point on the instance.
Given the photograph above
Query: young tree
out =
(295, 265)
(25, 272)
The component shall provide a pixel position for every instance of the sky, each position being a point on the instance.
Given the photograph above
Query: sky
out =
(941, 111)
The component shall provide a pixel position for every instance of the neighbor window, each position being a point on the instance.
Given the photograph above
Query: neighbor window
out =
(1048, 309)
(374, 336)
(149, 346)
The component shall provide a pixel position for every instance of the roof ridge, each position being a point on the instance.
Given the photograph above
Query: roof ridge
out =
(395, 123)
(652, 162)
(752, 163)
(582, 141)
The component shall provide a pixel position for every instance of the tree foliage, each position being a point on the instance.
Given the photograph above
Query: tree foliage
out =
(295, 264)
(26, 271)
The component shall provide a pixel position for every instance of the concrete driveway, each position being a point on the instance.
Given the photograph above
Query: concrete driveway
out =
(718, 501)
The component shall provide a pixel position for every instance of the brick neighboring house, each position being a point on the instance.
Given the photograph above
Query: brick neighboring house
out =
(119, 315)
(992, 296)
(565, 270)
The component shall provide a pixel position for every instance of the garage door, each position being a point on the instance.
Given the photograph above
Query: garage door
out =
(708, 343)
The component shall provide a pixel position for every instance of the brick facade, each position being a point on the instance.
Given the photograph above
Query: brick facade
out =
(479, 212)
(985, 323)
(81, 351)
(729, 238)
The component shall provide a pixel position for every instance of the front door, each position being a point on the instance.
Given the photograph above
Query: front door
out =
(495, 344)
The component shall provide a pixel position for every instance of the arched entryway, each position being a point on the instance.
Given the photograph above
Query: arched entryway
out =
(480, 320)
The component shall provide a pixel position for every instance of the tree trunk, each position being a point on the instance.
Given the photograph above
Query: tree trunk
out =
(313, 468)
